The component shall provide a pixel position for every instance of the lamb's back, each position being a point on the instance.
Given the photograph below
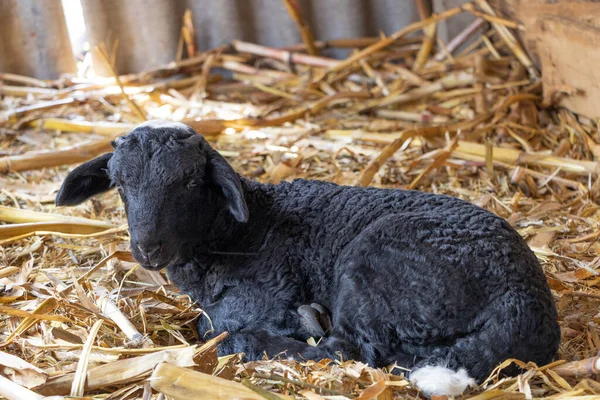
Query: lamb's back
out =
(346, 211)
(325, 221)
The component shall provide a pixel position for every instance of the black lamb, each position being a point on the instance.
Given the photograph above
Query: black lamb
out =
(427, 281)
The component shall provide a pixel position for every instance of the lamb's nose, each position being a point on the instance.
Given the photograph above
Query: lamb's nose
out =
(150, 249)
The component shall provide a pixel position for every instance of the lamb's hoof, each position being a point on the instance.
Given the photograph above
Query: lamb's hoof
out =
(315, 318)
(324, 318)
(434, 380)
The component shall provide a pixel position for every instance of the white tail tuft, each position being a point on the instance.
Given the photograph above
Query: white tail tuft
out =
(439, 381)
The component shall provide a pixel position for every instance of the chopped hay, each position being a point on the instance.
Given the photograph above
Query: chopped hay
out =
(79, 316)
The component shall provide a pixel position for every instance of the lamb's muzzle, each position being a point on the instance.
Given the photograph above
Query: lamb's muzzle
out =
(431, 282)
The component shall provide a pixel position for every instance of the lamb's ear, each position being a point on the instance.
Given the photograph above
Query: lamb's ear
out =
(85, 181)
(223, 176)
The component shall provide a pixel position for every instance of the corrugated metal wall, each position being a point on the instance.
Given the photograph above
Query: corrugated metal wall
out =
(148, 30)
(35, 40)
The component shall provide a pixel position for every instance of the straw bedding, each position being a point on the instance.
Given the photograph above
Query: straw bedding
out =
(468, 118)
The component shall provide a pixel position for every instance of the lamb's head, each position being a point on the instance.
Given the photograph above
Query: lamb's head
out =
(173, 186)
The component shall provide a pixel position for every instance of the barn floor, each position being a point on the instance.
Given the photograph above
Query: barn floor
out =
(470, 122)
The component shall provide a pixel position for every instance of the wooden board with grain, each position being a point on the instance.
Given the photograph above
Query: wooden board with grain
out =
(563, 38)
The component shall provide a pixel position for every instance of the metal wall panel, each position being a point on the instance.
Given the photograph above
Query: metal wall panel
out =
(35, 41)
(148, 30)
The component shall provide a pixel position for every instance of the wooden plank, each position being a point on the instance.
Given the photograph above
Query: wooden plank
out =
(562, 36)
(570, 58)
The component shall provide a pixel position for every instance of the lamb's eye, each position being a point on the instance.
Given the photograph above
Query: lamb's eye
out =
(190, 184)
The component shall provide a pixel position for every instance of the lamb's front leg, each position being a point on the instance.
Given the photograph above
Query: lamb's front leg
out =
(255, 340)
(255, 344)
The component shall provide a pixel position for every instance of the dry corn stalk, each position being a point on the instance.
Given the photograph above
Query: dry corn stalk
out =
(111, 310)
(586, 367)
(295, 12)
(448, 82)
(459, 39)
(476, 151)
(42, 228)
(369, 172)
(21, 372)
(50, 303)
(285, 56)
(13, 115)
(110, 129)
(12, 391)
(45, 159)
(122, 371)
(131, 369)
(23, 91)
(79, 380)
(385, 42)
(189, 33)
(183, 384)
(26, 314)
(103, 52)
(26, 80)
(19, 216)
(510, 40)
(425, 50)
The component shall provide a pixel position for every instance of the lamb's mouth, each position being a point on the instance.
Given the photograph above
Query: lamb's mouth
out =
(151, 264)
(157, 267)
(166, 257)
(158, 263)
